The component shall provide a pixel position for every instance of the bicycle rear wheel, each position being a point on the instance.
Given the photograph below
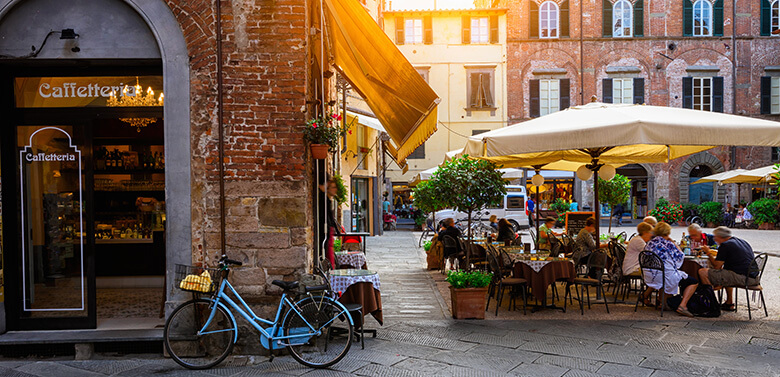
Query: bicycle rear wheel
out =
(190, 347)
(333, 336)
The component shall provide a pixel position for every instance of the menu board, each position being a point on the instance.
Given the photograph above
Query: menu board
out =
(575, 221)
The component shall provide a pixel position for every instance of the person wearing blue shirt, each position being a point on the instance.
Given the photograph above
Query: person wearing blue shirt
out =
(574, 207)
(530, 207)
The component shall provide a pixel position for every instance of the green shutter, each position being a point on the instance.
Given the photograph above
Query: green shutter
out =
(606, 18)
(606, 90)
(639, 19)
(766, 23)
(717, 19)
(687, 18)
(766, 95)
(687, 92)
(533, 23)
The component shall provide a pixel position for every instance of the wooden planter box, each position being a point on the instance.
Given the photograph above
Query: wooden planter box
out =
(711, 225)
(767, 226)
(468, 303)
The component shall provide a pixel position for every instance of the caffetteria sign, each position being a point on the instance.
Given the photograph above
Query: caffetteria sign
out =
(33, 157)
(30, 92)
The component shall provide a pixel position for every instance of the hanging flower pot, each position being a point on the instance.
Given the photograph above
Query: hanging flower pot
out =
(319, 151)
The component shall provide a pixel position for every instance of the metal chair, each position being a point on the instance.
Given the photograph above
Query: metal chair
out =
(451, 248)
(757, 268)
(355, 310)
(556, 246)
(649, 261)
(597, 262)
(499, 283)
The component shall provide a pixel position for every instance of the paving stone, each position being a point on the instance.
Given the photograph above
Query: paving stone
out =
(375, 370)
(404, 349)
(496, 362)
(161, 369)
(376, 357)
(457, 371)
(538, 370)
(424, 340)
(283, 366)
(719, 372)
(505, 341)
(326, 373)
(47, 368)
(425, 367)
(765, 343)
(664, 345)
(108, 367)
(611, 369)
(675, 365)
(570, 362)
(8, 372)
(513, 354)
(225, 371)
(683, 339)
(666, 373)
(736, 347)
(580, 373)
(349, 364)
(573, 351)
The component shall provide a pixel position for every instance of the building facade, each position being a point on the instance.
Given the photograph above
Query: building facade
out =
(702, 54)
(462, 55)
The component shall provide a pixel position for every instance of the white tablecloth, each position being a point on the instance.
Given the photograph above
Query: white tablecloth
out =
(357, 260)
(704, 262)
(535, 265)
(341, 283)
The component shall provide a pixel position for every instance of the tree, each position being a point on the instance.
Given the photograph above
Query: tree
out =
(428, 199)
(469, 185)
(613, 192)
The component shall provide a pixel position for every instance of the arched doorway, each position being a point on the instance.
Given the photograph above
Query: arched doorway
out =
(114, 38)
(701, 192)
(640, 193)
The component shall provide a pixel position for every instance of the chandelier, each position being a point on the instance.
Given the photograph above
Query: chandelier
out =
(136, 99)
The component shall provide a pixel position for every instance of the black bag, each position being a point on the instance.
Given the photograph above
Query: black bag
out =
(703, 303)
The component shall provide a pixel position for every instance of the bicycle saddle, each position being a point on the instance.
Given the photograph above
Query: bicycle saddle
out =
(285, 285)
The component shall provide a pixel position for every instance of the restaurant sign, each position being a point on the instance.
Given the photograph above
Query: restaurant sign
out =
(33, 92)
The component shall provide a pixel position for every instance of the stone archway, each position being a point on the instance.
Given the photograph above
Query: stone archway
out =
(705, 159)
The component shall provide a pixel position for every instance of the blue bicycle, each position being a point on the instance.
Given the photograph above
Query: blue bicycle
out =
(200, 333)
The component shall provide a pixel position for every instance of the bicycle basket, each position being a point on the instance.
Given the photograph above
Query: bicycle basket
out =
(196, 279)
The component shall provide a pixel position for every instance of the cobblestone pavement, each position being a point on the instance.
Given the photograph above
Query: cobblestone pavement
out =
(421, 340)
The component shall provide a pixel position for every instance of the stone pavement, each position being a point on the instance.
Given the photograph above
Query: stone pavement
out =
(421, 340)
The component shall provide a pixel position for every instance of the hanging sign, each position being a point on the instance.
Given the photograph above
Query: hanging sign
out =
(32, 92)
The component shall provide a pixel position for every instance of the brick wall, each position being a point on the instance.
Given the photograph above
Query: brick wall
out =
(663, 76)
(266, 84)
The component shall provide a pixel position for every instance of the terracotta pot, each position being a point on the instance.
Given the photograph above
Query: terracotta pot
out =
(682, 223)
(468, 302)
(711, 225)
(767, 226)
(319, 151)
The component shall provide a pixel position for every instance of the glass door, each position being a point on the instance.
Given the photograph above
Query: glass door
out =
(359, 204)
(54, 262)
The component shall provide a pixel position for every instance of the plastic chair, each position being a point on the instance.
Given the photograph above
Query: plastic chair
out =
(648, 260)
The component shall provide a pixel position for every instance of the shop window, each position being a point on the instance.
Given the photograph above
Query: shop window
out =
(621, 19)
(418, 154)
(703, 93)
(480, 89)
(702, 18)
(770, 17)
(770, 95)
(548, 96)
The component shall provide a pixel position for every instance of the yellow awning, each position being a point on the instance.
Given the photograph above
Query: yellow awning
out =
(373, 65)
(393, 153)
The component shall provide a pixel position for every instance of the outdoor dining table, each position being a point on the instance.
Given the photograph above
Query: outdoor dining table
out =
(691, 265)
(540, 274)
(361, 235)
(359, 287)
(351, 259)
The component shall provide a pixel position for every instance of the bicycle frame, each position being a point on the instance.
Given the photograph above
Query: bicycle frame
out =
(220, 298)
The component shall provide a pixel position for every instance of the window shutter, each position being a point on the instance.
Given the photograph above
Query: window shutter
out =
(486, 79)
(563, 29)
(475, 88)
(534, 20)
(466, 24)
(606, 88)
(687, 92)
(717, 94)
(563, 90)
(639, 90)
(766, 95)
(687, 18)
(493, 29)
(399, 30)
(428, 30)
(717, 19)
(639, 18)
(606, 18)
(766, 20)
(534, 98)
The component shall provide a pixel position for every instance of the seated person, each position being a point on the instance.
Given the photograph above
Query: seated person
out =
(672, 258)
(545, 232)
(494, 222)
(743, 214)
(635, 246)
(585, 243)
(454, 232)
(699, 238)
(731, 264)
(650, 220)
(505, 231)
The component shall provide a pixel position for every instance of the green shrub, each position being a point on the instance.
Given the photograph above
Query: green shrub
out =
(474, 279)
(560, 207)
(427, 245)
(341, 190)
(689, 209)
(420, 220)
(666, 211)
(337, 245)
(764, 211)
(711, 212)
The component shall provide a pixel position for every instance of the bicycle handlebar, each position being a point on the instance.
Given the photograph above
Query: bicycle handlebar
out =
(225, 260)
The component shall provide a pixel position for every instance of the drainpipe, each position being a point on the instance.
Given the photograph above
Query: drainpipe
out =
(582, 64)
(220, 131)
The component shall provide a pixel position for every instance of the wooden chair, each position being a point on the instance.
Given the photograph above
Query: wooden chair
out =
(649, 261)
(596, 263)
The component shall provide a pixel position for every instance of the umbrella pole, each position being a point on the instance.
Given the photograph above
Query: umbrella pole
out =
(596, 203)
(536, 213)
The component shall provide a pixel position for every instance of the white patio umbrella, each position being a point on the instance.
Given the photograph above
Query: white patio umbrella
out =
(754, 176)
(599, 134)
(509, 174)
(721, 177)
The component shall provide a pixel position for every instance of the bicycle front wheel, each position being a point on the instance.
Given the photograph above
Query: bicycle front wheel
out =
(192, 346)
(330, 341)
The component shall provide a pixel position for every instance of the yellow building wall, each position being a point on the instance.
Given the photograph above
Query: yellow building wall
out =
(350, 159)
(447, 60)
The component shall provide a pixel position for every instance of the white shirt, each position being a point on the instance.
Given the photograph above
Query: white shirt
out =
(631, 260)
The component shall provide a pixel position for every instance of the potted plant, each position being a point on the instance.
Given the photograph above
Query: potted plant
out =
(689, 209)
(711, 213)
(468, 292)
(560, 207)
(666, 211)
(765, 213)
(323, 133)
